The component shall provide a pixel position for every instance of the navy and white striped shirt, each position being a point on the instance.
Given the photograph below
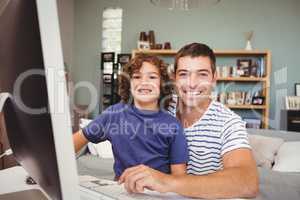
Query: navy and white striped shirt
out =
(217, 132)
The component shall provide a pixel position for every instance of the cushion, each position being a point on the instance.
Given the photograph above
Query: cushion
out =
(102, 149)
(264, 149)
(288, 159)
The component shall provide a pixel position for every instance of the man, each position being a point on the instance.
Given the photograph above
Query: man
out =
(221, 164)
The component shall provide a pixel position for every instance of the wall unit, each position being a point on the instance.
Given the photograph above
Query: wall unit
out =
(111, 67)
(290, 120)
(259, 81)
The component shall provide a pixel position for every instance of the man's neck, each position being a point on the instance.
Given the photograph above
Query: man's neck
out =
(189, 115)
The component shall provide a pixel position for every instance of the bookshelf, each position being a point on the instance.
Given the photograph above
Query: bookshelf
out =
(264, 80)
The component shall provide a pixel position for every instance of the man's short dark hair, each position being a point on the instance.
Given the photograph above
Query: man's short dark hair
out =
(195, 50)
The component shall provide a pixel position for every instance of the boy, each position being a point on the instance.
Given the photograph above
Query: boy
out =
(139, 130)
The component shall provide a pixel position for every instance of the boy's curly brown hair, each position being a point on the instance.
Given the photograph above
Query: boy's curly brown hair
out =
(135, 65)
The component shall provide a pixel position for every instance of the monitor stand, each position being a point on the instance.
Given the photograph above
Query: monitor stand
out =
(33, 194)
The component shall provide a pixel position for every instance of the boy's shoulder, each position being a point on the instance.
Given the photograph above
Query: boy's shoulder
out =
(167, 116)
(118, 107)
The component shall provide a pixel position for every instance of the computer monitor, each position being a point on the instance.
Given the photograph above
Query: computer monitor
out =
(37, 116)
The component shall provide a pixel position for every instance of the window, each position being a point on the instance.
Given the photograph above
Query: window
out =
(112, 30)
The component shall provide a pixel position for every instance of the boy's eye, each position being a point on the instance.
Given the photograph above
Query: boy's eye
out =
(135, 76)
(153, 77)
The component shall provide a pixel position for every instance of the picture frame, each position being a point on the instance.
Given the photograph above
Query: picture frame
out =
(108, 57)
(258, 100)
(297, 89)
(253, 71)
(123, 58)
(244, 62)
(244, 66)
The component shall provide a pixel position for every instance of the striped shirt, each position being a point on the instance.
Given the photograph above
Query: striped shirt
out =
(217, 132)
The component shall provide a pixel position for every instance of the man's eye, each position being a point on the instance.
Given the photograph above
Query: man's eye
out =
(203, 74)
(182, 74)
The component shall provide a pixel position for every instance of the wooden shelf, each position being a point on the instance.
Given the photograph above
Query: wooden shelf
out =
(242, 79)
(265, 81)
(241, 52)
(156, 51)
(256, 107)
(216, 51)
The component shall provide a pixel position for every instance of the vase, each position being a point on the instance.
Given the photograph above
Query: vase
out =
(248, 45)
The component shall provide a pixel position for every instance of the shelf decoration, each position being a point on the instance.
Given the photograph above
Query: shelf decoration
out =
(248, 36)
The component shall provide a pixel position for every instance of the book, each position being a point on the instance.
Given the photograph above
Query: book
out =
(252, 123)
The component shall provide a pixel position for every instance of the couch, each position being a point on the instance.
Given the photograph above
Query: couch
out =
(274, 185)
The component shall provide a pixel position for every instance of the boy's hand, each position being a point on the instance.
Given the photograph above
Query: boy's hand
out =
(141, 177)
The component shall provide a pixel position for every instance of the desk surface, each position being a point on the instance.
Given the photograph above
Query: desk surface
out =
(13, 180)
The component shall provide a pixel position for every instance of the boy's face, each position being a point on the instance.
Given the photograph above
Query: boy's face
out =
(145, 84)
(194, 80)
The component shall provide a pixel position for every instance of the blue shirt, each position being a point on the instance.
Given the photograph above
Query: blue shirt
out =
(152, 138)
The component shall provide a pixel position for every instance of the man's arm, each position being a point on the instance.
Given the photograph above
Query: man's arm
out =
(137, 178)
(79, 140)
(238, 179)
(178, 169)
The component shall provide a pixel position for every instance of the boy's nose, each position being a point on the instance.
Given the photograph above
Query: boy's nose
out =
(145, 79)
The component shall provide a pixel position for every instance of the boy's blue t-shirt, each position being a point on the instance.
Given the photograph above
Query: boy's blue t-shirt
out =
(152, 138)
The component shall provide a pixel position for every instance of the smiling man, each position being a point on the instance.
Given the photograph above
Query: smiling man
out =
(221, 164)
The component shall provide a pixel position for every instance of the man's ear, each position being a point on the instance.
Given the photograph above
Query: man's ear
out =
(214, 79)
(172, 76)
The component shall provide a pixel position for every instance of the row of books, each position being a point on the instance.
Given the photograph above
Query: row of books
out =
(240, 98)
(292, 102)
(243, 68)
(253, 123)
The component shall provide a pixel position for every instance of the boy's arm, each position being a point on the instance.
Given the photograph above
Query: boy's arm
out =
(79, 140)
(93, 132)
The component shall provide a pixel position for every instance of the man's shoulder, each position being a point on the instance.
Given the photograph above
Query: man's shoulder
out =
(220, 111)
(231, 120)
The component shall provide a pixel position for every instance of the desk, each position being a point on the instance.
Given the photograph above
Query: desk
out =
(13, 180)
(13, 186)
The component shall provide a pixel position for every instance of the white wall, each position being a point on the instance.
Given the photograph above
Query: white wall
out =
(66, 20)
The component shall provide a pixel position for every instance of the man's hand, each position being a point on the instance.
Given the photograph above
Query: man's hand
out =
(141, 177)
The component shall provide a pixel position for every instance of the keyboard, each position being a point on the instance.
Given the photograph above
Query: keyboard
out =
(112, 190)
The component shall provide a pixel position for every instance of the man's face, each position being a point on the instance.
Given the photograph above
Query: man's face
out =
(194, 80)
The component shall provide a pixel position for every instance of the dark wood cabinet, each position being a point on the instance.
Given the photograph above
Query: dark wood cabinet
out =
(290, 120)
(7, 161)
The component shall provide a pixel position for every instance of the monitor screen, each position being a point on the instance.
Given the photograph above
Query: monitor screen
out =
(26, 42)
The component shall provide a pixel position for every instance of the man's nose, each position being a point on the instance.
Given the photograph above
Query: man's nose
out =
(192, 81)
